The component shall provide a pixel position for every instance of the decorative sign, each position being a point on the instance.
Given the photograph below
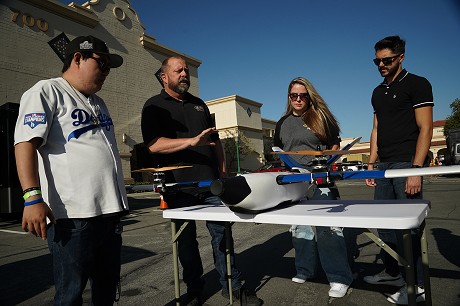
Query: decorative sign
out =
(30, 21)
(119, 13)
(59, 44)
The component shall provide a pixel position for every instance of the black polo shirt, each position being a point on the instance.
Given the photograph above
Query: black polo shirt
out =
(394, 106)
(164, 116)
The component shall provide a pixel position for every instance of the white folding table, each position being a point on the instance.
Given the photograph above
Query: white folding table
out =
(390, 214)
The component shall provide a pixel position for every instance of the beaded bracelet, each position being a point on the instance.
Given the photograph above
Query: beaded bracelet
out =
(30, 189)
(36, 201)
(31, 193)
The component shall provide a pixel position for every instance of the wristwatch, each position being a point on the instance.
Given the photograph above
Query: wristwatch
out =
(416, 166)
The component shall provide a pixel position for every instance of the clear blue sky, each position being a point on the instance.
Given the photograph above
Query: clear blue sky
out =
(253, 48)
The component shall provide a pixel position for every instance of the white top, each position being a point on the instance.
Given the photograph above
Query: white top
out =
(391, 214)
(79, 164)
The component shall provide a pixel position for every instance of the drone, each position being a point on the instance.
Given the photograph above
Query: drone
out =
(258, 192)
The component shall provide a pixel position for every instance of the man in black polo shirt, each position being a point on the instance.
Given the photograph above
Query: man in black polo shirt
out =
(400, 138)
(177, 128)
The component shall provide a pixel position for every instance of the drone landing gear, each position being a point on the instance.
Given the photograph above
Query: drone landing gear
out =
(319, 165)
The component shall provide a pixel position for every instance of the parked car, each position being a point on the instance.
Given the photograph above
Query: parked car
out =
(272, 166)
(336, 167)
(353, 165)
(441, 160)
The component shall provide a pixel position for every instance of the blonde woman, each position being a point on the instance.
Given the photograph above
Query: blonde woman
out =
(308, 124)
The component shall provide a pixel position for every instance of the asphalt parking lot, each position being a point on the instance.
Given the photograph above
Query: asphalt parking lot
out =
(264, 255)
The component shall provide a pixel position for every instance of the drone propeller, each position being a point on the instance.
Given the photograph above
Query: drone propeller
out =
(347, 147)
(162, 169)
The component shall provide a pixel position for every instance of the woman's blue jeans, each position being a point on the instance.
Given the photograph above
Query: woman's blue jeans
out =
(394, 189)
(329, 245)
(82, 250)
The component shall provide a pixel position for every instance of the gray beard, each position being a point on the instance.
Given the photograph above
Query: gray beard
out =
(180, 89)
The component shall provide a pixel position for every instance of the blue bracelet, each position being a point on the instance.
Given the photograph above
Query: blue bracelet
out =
(36, 201)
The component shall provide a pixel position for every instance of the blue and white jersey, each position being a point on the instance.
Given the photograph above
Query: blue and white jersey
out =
(79, 164)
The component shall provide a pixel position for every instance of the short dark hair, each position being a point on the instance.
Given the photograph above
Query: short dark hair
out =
(394, 43)
(165, 63)
(69, 57)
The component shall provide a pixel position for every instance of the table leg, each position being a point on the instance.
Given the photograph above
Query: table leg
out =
(174, 236)
(228, 250)
(386, 248)
(175, 263)
(425, 265)
(410, 268)
(407, 261)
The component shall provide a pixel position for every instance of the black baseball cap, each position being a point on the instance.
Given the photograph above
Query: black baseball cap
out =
(95, 45)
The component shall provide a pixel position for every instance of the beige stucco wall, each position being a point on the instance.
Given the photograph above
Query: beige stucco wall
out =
(236, 113)
(224, 112)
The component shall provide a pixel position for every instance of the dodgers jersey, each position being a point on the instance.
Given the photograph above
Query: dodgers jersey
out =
(79, 164)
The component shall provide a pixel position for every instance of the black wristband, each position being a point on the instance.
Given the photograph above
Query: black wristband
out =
(416, 166)
(30, 189)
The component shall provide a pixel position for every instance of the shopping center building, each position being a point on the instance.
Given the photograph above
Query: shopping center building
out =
(34, 33)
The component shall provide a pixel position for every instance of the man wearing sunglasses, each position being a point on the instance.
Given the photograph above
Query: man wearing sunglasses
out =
(400, 138)
(70, 170)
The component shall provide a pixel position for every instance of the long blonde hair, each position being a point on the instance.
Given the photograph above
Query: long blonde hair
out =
(317, 117)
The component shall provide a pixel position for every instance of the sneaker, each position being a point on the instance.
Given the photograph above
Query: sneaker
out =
(384, 278)
(338, 290)
(243, 297)
(299, 279)
(401, 297)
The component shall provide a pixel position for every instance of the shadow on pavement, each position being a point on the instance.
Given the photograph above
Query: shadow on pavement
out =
(25, 279)
(257, 264)
(447, 245)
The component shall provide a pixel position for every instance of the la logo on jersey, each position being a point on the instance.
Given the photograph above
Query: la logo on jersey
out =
(34, 119)
(84, 119)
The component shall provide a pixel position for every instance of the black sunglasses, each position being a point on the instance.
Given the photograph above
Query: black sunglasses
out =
(103, 65)
(386, 60)
(303, 96)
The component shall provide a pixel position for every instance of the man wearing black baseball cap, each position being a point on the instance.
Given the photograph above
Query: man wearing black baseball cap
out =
(94, 45)
(70, 170)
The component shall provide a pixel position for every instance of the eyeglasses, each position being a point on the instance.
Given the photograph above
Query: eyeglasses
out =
(303, 96)
(386, 60)
(103, 65)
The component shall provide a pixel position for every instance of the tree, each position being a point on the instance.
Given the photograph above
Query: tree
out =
(268, 152)
(232, 141)
(453, 121)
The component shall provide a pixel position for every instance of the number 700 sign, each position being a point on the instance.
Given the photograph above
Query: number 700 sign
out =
(29, 20)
